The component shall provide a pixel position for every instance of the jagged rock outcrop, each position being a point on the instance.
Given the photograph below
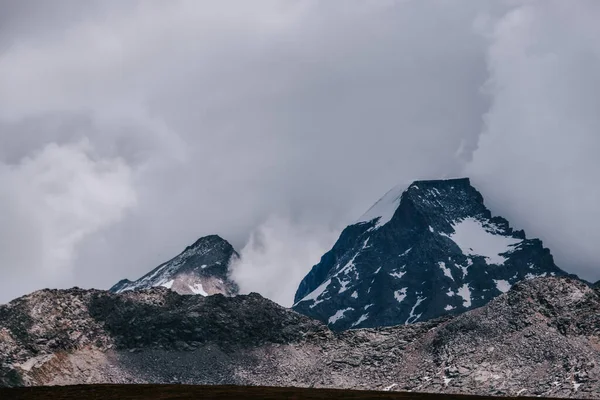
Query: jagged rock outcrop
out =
(540, 338)
(202, 268)
(421, 252)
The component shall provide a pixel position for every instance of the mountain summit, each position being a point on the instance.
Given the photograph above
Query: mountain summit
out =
(201, 268)
(422, 251)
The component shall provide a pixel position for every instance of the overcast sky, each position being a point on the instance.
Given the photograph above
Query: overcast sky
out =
(128, 128)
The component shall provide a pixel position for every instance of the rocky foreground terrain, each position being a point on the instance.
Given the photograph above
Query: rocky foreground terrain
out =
(540, 338)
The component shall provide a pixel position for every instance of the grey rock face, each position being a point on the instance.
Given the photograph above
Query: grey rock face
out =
(202, 268)
(423, 251)
(540, 338)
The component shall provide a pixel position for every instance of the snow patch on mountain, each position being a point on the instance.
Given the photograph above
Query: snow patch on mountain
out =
(406, 252)
(446, 270)
(315, 294)
(362, 319)
(502, 285)
(412, 317)
(397, 275)
(465, 292)
(400, 295)
(168, 284)
(385, 207)
(475, 239)
(338, 315)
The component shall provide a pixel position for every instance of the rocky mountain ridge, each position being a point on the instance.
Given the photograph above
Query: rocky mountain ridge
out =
(540, 338)
(202, 268)
(425, 250)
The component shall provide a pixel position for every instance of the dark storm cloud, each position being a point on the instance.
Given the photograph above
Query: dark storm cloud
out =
(128, 129)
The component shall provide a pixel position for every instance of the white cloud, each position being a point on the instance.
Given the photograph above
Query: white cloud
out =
(50, 202)
(278, 255)
(537, 158)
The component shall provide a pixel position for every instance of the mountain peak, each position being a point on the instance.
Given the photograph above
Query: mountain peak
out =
(430, 195)
(465, 181)
(202, 268)
(209, 240)
(424, 250)
(436, 195)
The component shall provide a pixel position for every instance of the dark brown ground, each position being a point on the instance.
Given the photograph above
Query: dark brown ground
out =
(163, 392)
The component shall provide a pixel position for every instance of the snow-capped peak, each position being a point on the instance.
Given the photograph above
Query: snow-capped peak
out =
(433, 249)
(201, 268)
(384, 208)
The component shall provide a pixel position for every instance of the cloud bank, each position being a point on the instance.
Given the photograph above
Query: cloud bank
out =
(50, 202)
(130, 128)
(536, 158)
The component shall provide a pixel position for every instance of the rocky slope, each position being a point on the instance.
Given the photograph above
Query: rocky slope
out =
(421, 252)
(540, 338)
(202, 268)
